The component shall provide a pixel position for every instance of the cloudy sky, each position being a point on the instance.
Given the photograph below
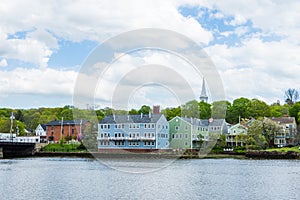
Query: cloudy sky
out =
(255, 45)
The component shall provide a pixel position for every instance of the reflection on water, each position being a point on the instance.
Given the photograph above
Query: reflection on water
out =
(76, 178)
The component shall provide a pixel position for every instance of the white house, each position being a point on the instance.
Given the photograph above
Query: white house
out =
(41, 132)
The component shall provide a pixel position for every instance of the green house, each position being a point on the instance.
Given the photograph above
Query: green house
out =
(190, 133)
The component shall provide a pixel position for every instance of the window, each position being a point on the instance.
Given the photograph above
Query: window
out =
(152, 134)
(145, 135)
(153, 125)
(123, 126)
(116, 126)
(180, 136)
(166, 126)
(108, 126)
(173, 135)
(176, 135)
(152, 143)
(101, 126)
(129, 135)
(133, 125)
(186, 144)
(149, 135)
(137, 135)
(145, 126)
(186, 135)
(116, 134)
(129, 125)
(158, 126)
(149, 126)
(137, 126)
(186, 127)
(176, 127)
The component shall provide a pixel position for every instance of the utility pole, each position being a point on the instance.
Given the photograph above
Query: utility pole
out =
(12, 117)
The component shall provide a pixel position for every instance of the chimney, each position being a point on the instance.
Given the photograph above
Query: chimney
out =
(114, 117)
(156, 109)
(141, 115)
(149, 114)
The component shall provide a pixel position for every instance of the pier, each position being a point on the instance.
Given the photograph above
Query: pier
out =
(16, 149)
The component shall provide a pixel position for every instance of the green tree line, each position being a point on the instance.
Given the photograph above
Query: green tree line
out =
(241, 108)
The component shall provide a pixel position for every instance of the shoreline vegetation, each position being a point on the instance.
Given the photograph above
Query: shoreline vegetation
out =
(78, 150)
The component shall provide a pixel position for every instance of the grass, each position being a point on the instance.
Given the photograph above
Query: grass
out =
(62, 148)
(285, 149)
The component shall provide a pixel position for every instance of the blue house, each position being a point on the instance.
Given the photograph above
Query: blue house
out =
(142, 132)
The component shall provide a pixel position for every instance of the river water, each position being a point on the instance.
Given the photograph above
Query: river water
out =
(79, 178)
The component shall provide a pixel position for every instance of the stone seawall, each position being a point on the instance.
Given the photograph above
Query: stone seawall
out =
(272, 155)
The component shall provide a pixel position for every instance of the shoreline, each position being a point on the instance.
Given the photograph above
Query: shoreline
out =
(264, 155)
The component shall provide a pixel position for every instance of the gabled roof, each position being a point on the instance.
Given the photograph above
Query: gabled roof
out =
(113, 119)
(284, 120)
(43, 126)
(238, 125)
(203, 122)
(66, 122)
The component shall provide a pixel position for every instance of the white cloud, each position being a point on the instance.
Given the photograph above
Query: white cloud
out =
(279, 17)
(85, 20)
(37, 81)
(3, 63)
(257, 68)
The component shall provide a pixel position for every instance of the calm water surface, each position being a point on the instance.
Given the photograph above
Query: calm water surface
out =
(77, 178)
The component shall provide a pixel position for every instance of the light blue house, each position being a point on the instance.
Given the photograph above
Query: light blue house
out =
(141, 132)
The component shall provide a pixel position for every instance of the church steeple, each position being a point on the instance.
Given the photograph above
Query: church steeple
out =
(203, 95)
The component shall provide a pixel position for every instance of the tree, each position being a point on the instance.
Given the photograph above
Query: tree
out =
(255, 133)
(133, 112)
(219, 109)
(144, 109)
(258, 108)
(19, 116)
(239, 108)
(5, 124)
(170, 113)
(67, 114)
(294, 110)
(205, 110)
(90, 136)
(291, 96)
(270, 130)
(190, 109)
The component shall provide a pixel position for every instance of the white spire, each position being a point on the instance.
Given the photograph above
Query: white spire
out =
(203, 95)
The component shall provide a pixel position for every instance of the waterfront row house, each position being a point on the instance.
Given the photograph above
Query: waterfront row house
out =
(287, 132)
(57, 130)
(235, 134)
(139, 132)
(189, 133)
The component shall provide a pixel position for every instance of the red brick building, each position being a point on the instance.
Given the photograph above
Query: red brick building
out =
(57, 130)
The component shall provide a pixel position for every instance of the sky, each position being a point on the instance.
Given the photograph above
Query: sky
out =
(44, 45)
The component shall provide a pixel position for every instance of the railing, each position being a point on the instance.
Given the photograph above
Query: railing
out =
(126, 138)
